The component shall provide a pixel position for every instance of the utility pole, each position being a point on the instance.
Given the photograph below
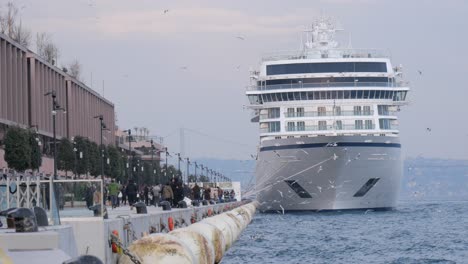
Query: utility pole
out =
(188, 168)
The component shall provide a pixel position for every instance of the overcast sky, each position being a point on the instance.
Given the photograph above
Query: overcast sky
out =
(186, 68)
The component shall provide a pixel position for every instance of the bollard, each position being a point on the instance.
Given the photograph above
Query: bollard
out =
(25, 220)
(7, 214)
(182, 204)
(86, 259)
(41, 216)
(166, 206)
(141, 208)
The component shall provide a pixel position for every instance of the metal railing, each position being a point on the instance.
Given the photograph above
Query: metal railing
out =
(30, 191)
(328, 113)
(328, 127)
(330, 53)
(323, 85)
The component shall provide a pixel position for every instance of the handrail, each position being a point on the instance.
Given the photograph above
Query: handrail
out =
(322, 85)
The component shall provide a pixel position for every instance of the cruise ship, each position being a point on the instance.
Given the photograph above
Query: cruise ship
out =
(328, 120)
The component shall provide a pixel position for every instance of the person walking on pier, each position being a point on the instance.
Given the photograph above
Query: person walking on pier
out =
(131, 193)
(167, 193)
(207, 193)
(196, 192)
(113, 192)
(156, 194)
(146, 194)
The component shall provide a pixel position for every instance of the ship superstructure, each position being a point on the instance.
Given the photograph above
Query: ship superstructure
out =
(328, 125)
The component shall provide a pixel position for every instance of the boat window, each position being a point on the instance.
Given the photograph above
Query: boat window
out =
(322, 125)
(326, 67)
(358, 124)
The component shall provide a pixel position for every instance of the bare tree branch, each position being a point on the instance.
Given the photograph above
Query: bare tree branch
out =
(8, 20)
(75, 69)
(46, 48)
(21, 35)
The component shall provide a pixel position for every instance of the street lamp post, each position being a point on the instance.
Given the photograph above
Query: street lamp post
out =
(129, 166)
(152, 156)
(103, 127)
(196, 166)
(178, 163)
(52, 199)
(188, 168)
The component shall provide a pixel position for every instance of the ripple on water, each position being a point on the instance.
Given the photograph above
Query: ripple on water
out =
(417, 232)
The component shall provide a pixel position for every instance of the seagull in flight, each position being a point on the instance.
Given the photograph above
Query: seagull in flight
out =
(240, 37)
(428, 129)
(184, 68)
(420, 72)
(165, 11)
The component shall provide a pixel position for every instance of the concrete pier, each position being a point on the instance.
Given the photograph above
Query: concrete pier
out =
(88, 235)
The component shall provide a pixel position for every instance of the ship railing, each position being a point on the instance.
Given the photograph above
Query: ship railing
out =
(319, 128)
(327, 113)
(324, 54)
(322, 85)
(329, 127)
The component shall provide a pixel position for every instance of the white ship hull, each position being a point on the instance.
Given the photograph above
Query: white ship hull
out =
(329, 173)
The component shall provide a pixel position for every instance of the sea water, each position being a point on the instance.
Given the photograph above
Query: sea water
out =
(415, 232)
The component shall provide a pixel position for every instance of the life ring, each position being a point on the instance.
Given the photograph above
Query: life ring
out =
(16, 188)
(170, 222)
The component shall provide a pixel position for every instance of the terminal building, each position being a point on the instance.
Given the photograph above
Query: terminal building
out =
(25, 78)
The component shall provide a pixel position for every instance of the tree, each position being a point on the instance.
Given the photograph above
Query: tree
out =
(203, 178)
(9, 26)
(46, 48)
(94, 159)
(8, 20)
(75, 69)
(21, 35)
(65, 156)
(116, 166)
(17, 149)
(36, 155)
(192, 178)
(81, 145)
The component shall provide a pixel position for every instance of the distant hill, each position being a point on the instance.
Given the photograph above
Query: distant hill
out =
(423, 178)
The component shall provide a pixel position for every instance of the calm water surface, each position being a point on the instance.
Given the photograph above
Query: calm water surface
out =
(416, 232)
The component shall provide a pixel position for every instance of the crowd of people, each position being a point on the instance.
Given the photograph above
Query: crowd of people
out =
(173, 192)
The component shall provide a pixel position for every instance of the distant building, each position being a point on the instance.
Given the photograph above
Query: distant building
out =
(25, 78)
(141, 145)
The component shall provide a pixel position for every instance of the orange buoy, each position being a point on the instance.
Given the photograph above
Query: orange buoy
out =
(115, 247)
(170, 222)
(193, 219)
